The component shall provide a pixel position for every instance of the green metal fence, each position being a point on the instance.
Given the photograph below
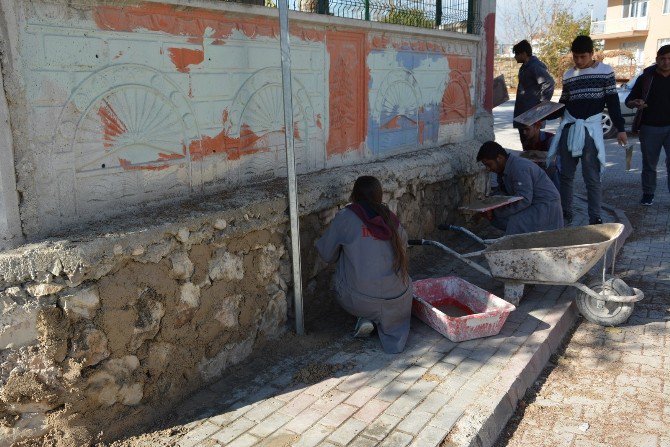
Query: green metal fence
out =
(450, 15)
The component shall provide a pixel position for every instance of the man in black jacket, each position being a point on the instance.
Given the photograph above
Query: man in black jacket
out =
(535, 82)
(651, 96)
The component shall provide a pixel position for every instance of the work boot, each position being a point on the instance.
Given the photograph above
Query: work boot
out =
(647, 199)
(363, 328)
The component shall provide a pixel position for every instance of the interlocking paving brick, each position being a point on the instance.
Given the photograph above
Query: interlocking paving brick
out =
(246, 440)
(411, 374)
(199, 434)
(414, 422)
(362, 441)
(338, 415)
(232, 431)
(383, 378)
(361, 396)
(321, 388)
(263, 409)
(270, 425)
(393, 390)
(347, 431)
(381, 427)
(396, 439)
(370, 411)
(313, 436)
(302, 422)
(329, 401)
(299, 403)
(430, 436)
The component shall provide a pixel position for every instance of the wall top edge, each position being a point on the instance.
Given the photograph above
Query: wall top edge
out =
(244, 210)
(302, 17)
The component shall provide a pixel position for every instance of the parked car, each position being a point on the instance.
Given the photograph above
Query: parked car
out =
(609, 130)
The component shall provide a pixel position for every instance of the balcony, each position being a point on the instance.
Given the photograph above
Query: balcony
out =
(616, 28)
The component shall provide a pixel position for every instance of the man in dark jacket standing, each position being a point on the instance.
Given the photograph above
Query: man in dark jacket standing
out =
(651, 96)
(535, 82)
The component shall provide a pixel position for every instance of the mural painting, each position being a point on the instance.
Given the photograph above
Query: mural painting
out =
(176, 101)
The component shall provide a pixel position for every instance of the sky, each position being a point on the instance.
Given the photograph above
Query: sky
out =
(504, 30)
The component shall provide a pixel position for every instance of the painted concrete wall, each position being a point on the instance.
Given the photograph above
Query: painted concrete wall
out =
(117, 107)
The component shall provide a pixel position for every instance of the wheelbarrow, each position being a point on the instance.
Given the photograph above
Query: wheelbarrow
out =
(558, 257)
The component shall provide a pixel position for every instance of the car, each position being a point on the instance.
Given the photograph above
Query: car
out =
(609, 130)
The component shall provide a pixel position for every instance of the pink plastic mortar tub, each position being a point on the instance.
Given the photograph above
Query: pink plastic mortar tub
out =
(457, 309)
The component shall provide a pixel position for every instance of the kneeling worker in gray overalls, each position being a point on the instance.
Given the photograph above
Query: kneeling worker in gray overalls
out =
(540, 207)
(371, 282)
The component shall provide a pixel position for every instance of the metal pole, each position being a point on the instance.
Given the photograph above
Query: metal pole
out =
(290, 163)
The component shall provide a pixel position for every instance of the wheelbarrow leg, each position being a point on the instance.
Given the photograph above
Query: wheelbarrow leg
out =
(513, 292)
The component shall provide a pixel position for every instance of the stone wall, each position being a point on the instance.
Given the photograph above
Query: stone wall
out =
(109, 328)
(115, 106)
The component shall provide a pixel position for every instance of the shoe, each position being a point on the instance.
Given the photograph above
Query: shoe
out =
(595, 221)
(363, 328)
(647, 199)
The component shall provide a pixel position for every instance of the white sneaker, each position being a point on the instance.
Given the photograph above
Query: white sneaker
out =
(363, 328)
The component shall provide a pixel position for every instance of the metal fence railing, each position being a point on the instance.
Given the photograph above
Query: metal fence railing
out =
(450, 15)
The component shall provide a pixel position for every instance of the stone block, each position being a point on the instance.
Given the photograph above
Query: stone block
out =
(39, 290)
(18, 325)
(182, 267)
(190, 295)
(228, 311)
(226, 266)
(82, 303)
(89, 347)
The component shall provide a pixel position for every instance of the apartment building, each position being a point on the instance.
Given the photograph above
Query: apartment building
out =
(639, 27)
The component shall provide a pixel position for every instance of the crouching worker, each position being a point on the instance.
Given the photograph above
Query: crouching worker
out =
(540, 208)
(371, 281)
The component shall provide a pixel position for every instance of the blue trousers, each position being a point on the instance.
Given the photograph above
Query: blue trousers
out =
(652, 139)
(590, 172)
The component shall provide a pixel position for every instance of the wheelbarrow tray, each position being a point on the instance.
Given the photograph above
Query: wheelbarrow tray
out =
(487, 311)
(558, 256)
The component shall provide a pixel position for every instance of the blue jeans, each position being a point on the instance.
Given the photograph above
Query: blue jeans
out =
(590, 172)
(651, 140)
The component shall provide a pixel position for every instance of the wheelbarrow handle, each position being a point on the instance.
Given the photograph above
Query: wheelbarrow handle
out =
(464, 231)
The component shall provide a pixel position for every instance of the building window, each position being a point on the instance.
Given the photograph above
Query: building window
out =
(635, 8)
(666, 7)
(662, 42)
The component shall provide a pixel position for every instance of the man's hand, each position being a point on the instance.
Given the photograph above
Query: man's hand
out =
(622, 138)
(637, 104)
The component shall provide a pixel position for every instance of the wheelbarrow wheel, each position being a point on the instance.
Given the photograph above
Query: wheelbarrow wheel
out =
(605, 313)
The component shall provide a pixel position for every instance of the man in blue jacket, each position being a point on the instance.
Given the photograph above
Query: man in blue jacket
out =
(540, 207)
(535, 82)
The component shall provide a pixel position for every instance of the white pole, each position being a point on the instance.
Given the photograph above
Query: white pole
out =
(290, 163)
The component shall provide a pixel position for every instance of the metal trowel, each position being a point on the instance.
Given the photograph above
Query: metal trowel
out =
(629, 156)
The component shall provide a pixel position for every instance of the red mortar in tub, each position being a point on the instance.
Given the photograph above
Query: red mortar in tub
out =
(457, 309)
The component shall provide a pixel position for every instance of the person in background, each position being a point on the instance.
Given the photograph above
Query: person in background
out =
(371, 280)
(537, 140)
(535, 82)
(587, 88)
(651, 96)
(540, 207)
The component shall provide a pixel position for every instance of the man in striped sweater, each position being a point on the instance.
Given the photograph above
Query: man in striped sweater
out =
(587, 88)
